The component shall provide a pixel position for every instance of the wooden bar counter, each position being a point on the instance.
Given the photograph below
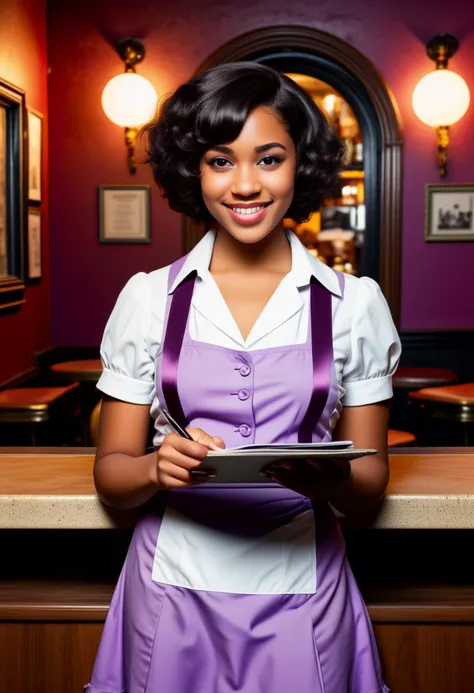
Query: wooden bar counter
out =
(62, 550)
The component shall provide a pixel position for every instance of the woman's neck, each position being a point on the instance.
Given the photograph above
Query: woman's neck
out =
(272, 253)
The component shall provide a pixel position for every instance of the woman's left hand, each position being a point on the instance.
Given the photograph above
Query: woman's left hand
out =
(311, 477)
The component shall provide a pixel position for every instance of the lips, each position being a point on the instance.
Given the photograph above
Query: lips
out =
(248, 214)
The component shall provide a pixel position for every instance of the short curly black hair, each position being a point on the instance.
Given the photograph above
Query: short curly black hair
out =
(212, 107)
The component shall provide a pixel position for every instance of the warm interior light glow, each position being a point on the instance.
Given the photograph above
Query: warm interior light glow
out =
(441, 98)
(129, 100)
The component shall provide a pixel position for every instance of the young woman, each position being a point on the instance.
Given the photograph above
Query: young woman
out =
(248, 339)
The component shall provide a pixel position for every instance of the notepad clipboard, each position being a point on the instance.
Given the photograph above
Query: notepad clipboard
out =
(244, 464)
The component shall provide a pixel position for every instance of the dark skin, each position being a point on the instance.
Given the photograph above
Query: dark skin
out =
(248, 263)
(126, 477)
(349, 486)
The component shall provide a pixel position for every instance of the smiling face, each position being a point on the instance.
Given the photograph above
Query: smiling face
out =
(248, 184)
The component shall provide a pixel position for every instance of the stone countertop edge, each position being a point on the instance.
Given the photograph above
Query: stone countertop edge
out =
(87, 512)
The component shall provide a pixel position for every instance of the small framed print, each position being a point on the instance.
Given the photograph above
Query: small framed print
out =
(35, 139)
(449, 213)
(124, 214)
(35, 270)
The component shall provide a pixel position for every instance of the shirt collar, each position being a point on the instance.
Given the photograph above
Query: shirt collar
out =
(198, 260)
(303, 266)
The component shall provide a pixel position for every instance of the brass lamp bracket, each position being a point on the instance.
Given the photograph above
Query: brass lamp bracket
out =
(440, 48)
(442, 138)
(132, 51)
(131, 135)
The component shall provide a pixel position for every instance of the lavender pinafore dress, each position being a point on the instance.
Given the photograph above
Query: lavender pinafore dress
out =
(240, 588)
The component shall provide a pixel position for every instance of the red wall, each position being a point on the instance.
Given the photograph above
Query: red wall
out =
(23, 63)
(87, 150)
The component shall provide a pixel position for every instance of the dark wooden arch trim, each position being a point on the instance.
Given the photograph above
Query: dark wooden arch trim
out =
(313, 41)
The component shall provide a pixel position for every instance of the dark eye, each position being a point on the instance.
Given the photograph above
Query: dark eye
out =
(271, 160)
(219, 162)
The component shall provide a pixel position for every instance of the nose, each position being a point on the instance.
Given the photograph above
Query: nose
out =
(245, 181)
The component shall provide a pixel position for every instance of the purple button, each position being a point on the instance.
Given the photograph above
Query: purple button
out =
(244, 430)
(243, 394)
(245, 370)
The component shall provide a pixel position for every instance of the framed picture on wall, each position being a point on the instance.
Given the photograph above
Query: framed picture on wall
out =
(13, 192)
(3, 192)
(35, 270)
(449, 213)
(35, 139)
(124, 214)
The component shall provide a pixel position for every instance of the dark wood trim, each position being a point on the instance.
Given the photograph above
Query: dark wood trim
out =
(192, 232)
(70, 600)
(421, 604)
(12, 287)
(48, 600)
(261, 42)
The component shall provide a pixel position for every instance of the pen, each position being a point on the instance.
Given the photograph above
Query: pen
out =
(175, 425)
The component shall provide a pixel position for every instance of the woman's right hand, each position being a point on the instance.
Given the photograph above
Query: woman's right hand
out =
(178, 459)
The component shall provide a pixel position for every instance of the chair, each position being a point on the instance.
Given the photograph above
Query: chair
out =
(406, 380)
(452, 404)
(30, 409)
(414, 378)
(397, 438)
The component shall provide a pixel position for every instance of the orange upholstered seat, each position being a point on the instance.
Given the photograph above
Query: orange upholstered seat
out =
(462, 395)
(399, 438)
(416, 378)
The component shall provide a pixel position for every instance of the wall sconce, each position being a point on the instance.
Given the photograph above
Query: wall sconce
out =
(129, 100)
(441, 98)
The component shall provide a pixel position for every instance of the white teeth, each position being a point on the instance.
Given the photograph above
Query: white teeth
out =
(248, 210)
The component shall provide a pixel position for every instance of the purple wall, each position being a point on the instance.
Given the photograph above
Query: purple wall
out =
(87, 150)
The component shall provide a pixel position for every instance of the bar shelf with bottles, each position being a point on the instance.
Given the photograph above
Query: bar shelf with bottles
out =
(336, 234)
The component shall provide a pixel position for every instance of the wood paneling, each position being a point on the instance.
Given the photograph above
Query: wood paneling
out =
(421, 658)
(50, 631)
(58, 657)
(47, 657)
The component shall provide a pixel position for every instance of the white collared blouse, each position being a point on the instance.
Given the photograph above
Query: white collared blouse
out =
(365, 341)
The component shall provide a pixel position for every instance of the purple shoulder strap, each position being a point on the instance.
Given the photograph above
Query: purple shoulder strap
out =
(178, 311)
(323, 357)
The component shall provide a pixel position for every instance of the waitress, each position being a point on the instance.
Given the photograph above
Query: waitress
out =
(248, 339)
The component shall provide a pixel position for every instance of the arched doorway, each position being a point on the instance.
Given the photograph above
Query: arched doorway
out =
(324, 56)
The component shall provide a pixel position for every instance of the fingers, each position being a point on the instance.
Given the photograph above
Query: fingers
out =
(170, 482)
(204, 438)
(179, 459)
(174, 476)
(191, 449)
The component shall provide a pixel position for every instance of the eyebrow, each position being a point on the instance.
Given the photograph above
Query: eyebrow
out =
(261, 148)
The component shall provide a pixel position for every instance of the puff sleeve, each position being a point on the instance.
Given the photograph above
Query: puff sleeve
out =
(128, 368)
(374, 350)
